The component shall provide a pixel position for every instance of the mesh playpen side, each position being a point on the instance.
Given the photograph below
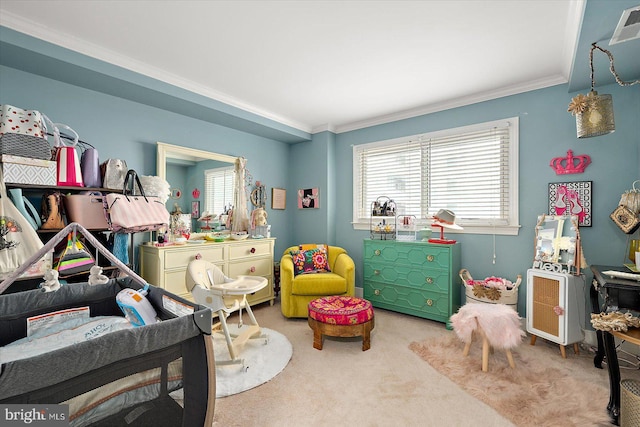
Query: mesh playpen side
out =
(123, 378)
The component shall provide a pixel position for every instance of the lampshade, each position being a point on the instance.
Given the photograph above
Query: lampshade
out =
(597, 119)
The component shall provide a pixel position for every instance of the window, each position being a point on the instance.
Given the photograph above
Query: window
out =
(218, 189)
(472, 171)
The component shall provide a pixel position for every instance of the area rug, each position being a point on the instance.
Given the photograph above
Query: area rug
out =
(262, 362)
(538, 392)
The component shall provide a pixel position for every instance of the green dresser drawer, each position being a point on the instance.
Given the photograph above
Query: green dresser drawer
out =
(436, 280)
(414, 254)
(432, 305)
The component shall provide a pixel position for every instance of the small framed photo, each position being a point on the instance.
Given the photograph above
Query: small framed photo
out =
(308, 198)
(195, 209)
(278, 198)
(572, 198)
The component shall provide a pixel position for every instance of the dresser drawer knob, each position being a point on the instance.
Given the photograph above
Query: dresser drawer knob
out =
(252, 269)
(429, 302)
(429, 280)
(376, 272)
(376, 252)
(376, 292)
(252, 250)
(430, 258)
(198, 256)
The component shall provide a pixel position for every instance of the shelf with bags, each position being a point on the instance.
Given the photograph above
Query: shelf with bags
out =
(61, 188)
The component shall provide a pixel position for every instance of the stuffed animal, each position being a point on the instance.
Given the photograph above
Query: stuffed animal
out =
(258, 217)
(51, 282)
(96, 277)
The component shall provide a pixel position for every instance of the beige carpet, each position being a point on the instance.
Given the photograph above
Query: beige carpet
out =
(388, 385)
(542, 390)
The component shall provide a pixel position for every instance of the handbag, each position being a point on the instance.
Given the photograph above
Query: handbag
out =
(67, 159)
(25, 207)
(18, 240)
(90, 166)
(113, 173)
(23, 133)
(625, 219)
(128, 213)
(74, 258)
(627, 215)
(86, 209)
(52, 210)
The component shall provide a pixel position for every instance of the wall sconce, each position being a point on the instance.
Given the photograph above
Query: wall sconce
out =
(594, 112)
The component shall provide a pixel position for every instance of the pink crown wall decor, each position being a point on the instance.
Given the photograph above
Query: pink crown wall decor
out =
(570, 164)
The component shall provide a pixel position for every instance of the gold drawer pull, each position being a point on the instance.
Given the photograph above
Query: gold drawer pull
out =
(430, 258)
(429, 302)
(376, 292)
(376, 252)
(376, 272)
(429, 280)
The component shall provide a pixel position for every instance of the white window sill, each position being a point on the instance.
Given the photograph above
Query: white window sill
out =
(504, 230)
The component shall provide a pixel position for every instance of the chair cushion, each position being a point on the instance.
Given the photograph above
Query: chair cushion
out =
(341, 310)
(319, 284)
(310, 260)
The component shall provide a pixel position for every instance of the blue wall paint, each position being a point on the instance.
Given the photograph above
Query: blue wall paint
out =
(119, 128)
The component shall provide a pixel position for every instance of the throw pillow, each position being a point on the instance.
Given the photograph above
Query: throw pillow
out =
(310, 260)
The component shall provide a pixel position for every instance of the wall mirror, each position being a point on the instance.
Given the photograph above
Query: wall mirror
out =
(557, 243)
(184, 169)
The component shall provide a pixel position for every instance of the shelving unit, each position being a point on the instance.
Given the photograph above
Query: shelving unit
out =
(383, 220)
(32, 190)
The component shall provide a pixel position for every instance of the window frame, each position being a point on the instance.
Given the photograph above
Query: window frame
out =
(470, 226)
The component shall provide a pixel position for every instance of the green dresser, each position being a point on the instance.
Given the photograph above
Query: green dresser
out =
(416, 278)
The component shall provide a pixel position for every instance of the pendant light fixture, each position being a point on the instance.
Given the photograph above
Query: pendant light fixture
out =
(594, 112)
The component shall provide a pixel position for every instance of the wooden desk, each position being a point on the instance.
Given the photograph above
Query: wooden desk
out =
(616, 295)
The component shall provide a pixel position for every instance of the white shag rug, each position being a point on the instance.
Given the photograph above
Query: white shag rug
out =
(262, 362)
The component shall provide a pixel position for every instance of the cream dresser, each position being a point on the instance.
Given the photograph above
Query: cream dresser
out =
(166, 267)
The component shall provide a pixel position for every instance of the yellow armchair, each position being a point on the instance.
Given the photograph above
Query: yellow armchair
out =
(297, 291)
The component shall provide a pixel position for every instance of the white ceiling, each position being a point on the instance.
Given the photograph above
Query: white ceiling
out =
(318, 65)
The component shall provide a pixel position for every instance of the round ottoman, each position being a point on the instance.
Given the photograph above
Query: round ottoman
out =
(341, 316)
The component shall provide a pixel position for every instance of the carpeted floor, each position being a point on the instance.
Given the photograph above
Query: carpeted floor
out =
(388, 385)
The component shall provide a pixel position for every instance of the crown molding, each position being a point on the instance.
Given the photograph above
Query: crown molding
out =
(455, 103)
(33, 29)
(327, 127)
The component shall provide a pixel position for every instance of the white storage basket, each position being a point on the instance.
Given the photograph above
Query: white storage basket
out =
(477, 292)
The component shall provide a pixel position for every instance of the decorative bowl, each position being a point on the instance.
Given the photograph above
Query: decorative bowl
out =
(239, 236)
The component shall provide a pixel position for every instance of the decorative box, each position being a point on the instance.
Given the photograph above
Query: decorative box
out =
(25, 170)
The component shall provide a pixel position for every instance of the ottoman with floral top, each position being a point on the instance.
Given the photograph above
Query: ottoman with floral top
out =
(341, 316)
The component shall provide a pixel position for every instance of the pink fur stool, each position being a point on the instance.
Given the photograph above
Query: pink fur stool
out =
(497, 324)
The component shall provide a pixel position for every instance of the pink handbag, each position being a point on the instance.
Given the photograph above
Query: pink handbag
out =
(128, 213)
(66, 156)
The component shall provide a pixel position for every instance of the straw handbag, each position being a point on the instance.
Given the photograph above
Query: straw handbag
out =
(627, 215)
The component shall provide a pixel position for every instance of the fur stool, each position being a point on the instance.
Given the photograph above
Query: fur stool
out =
(341, 316)
(497, 324)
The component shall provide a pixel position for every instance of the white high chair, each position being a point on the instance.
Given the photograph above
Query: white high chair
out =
(223, 295)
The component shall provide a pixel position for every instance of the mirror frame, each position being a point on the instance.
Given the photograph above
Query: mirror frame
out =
(175, 151)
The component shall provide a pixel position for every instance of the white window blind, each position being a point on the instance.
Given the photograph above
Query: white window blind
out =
(471, 171)
(218, 188)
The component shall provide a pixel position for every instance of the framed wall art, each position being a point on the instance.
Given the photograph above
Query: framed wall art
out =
(572, 198)
(278, 198)
(308, 198)
(195, 209)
